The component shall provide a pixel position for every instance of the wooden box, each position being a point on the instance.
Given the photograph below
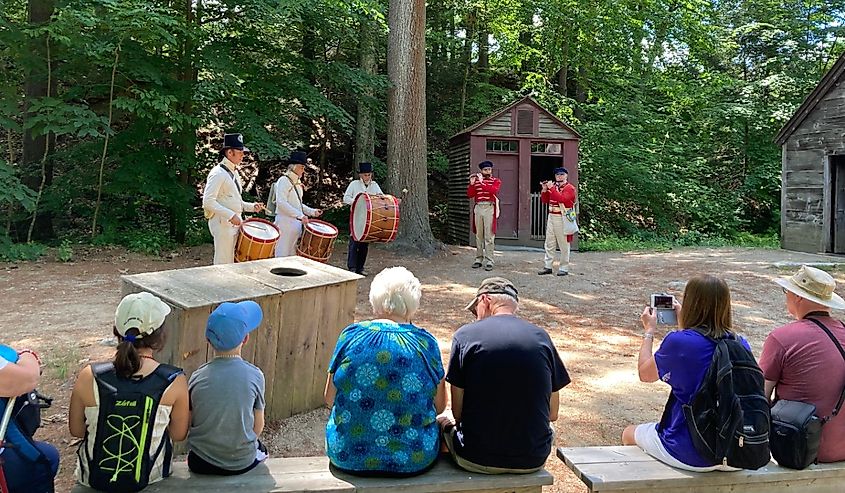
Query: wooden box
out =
(305, 303)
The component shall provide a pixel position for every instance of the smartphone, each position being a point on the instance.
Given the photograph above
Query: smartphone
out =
(664, 305)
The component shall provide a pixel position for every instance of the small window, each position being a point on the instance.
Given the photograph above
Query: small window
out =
(525, 122)
(502, 145)
(545, 148)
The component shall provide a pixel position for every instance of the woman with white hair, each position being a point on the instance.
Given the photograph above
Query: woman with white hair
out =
(291, 212)
(385, 386)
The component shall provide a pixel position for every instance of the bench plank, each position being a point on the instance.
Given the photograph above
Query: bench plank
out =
(629, 469)
(313, 475)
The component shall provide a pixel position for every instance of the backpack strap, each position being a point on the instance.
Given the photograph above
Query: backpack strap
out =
(838, 405)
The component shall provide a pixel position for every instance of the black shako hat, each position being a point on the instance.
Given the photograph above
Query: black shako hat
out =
(365, 167)
(561, 171)
(298, 157)
(233, 141)
(485, 164)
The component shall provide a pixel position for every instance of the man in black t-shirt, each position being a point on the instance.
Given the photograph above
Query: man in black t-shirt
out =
(505, 375)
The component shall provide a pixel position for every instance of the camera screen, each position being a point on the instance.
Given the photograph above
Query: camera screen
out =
(663, 302)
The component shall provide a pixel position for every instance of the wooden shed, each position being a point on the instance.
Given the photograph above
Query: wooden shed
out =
(525, 142)
(813, 169)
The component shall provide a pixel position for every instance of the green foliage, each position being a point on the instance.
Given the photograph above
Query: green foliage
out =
(16, 252)
(64, 253)
(677, 106)
(12, 191)
(651, 242)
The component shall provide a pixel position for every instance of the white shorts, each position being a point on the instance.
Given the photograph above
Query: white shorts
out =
(647, 439)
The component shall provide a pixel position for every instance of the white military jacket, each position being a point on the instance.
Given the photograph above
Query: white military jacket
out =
(222, 193)
(356, 187)
(289, 197)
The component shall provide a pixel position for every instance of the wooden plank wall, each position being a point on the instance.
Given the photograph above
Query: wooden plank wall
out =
(457, 228)
(500, 126)
(550, 129)
(805, 220)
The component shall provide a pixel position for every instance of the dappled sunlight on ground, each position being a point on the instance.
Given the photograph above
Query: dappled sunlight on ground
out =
(65, 311)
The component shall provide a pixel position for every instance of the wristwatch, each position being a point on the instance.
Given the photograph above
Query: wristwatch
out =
(648, 335)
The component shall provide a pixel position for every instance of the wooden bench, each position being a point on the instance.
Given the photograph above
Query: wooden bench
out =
(630, 470)
(312, 474)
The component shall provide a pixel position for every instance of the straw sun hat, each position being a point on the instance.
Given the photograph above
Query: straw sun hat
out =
(813, 284)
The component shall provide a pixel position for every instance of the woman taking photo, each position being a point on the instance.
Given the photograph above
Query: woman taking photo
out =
(681, 361)
(385, 386)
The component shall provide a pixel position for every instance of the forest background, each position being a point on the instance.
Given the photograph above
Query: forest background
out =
(112, 110)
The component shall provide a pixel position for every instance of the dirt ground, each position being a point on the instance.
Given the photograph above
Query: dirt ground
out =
(65, 312)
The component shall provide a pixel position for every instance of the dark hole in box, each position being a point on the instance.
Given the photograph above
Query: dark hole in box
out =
(287, 271)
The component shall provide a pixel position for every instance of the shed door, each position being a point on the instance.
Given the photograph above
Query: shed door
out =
(837, 183)
(506, 169)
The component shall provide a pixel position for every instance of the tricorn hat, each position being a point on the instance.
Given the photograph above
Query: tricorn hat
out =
(365, 167)
(297, 157)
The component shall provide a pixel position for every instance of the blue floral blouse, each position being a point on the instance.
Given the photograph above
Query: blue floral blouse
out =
(383, 419)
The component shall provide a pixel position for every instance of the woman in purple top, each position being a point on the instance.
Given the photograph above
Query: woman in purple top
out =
(681, 362)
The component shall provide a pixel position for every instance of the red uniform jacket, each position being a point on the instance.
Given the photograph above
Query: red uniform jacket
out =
(485, 191)
(561, 197)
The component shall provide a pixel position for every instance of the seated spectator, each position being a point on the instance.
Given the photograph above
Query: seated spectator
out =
(801, 363)
(682, 361)
(29, 466)
(227, 397)
(132, 389)
(504, 375)
(385, 386)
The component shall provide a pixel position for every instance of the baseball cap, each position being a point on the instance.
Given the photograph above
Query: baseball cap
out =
(229, 323)
(144, 312)
(494, 285)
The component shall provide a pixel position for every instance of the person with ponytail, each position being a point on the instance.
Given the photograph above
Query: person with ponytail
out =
(132, 388)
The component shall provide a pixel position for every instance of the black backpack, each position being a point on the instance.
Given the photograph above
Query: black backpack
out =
(728, 416)
(121, 459)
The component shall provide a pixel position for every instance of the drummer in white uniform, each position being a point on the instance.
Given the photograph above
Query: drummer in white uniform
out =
(291, 213)
(365, 184)
(222, 203)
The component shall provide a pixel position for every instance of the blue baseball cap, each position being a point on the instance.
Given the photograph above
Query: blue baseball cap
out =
(229, 323)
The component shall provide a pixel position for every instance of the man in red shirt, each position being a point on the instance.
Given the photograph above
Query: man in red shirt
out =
(801, 363)
(560, 196)
(483, 187)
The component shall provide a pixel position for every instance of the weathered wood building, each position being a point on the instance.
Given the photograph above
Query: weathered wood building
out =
(525, 142)
(813, 169)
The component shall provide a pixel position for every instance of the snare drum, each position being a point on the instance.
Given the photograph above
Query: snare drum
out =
(374, 218)
(317, 240)
(257, 240)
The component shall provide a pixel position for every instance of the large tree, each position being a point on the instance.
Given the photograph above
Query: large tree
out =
(406, 122)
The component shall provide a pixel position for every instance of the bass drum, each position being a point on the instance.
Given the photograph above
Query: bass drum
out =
(374, 218)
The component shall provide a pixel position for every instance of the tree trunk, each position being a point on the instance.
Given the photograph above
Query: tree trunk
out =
(406, 123)
(38, 169)
(483, 48)
(466, 61)
(365, 131)
(186, 137)
(563, 73)
(580, 93)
